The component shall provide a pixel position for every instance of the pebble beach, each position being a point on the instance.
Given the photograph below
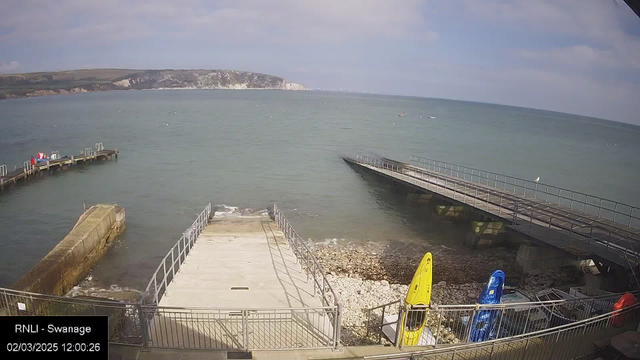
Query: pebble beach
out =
(370, 275)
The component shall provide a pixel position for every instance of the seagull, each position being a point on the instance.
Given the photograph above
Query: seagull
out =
(537, 179)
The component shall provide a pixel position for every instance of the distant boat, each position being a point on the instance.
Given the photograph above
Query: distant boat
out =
(401, 114)
(432, 117)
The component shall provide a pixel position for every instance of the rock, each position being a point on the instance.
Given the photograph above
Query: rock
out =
(384, 283)
(442, 283)
(534, 272)
(397, 262)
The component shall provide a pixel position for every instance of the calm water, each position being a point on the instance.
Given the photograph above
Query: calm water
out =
(183, 149)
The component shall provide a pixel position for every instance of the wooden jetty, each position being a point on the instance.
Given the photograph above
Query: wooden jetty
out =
(27, 171)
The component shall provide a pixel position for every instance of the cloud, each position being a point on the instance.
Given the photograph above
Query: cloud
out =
(602, 23)
(580, 55)
(9, 67)
(255, 21)
(431, 36)
(590, 18)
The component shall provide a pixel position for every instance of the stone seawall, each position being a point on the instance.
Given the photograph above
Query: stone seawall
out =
(70, 260)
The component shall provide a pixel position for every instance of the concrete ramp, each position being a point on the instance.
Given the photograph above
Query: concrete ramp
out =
(241, 287)
(241, 262)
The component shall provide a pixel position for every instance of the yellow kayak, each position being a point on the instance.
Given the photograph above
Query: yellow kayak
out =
(419, 294)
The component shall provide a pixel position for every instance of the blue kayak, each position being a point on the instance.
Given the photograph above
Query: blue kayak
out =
(483, 321)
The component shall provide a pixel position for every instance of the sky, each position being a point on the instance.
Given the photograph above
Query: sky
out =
(575, 56)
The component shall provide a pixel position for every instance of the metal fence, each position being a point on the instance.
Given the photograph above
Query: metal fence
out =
(308, 262)
(124, 318)
(171, 262)
(240, 329)
(568, 229)
(569, 341)
(455, 324)
(615, 211)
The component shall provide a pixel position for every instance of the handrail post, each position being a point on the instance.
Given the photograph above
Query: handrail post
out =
(467, 331)
(155, 287)
(173, 264)
(337, 330)
(400, 326)
(164, 268)
(245, 332)
(143, 327)
(571, 204)
(500, 322)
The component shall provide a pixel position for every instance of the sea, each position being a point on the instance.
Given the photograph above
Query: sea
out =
(248, 149)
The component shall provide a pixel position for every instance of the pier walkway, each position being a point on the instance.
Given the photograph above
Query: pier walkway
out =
(26, 171)
(583, 225)
(242, 283)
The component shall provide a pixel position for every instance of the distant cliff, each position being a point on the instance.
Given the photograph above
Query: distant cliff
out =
(76, 81)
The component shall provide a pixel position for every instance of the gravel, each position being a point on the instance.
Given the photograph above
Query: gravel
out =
(397, 263)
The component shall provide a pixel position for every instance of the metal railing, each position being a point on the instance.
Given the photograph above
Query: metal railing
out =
(241, 328)
(306, 259)
(300, 328)
(99, 146)
(171, 262)
(597, 239)
(615, 211)
(456, 324)
(569, 341)
(313, 269)
(570, 228)
(3, 170)
(124, 318)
